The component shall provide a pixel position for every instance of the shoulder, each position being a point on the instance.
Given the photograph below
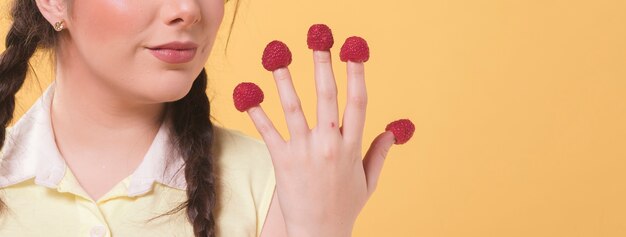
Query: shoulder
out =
(226, 138)
(241, 155)
(236, 143)
(247, 181)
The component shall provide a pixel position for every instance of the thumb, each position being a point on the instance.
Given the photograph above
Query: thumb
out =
(375, 157)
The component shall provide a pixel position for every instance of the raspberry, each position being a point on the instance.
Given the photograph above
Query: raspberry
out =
(355, 49)
(276, 55)
(402, 129)
(247, 95)
(320, 37)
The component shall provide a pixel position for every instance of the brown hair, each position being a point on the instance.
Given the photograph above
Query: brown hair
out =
(192, 129)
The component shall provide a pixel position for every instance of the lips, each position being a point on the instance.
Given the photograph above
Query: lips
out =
(175, 52)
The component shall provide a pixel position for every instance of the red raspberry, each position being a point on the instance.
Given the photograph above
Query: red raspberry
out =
(247, 95)
(355, 49)
(320, 37)
(276, 55)
(402, 129)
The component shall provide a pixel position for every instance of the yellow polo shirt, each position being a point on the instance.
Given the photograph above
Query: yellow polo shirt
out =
(45, 199)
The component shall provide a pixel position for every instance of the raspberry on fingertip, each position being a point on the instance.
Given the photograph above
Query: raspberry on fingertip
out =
(247, 95)
(276, 55)
(320, 37)
(355, 49)
(402, 130)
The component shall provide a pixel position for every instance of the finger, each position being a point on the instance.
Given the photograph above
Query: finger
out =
(354, 115)
(265, 127)
(296, 122)
(375, 158)
(327, 111)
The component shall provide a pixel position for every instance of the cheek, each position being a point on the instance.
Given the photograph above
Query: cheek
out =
(214, 10)
(110, 35)
(215, 13)
(212, 13)
(107, 24)
(107, 35)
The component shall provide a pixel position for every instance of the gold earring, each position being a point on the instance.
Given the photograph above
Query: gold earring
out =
(58, 26)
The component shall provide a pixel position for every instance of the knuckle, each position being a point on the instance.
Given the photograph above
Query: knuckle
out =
(358, 101)
(264, 129)
(383, 153)
(292, 107)
(328, 94)
(329, 152)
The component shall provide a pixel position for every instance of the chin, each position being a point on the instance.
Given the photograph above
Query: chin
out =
(167, 92)
(171, 97)
(173, 94)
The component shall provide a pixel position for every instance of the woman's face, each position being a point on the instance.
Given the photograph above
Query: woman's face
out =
(147, 50)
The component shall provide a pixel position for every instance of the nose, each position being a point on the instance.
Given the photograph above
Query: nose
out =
(181, 13)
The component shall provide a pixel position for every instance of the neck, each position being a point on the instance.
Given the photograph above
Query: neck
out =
(95, 112)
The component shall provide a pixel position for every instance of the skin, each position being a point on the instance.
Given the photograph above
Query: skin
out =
(93, 96)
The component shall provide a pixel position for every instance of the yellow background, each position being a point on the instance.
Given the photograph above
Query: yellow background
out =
(519, 107)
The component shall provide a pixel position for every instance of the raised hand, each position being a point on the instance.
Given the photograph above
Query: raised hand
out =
(322, 179)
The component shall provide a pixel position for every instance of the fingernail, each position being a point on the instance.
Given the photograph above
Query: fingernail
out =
(402, 130)
(320, 37)
(276, 55)
(355, 49)
(247, 95)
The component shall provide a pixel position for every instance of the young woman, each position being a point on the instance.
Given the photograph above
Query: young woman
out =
(121, 143)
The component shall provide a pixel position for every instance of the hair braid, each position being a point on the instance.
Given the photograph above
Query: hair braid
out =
(193, 136)
(28, 32)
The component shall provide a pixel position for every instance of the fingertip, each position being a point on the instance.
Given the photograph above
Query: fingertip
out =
(385, 139)
(254, 109)
(389, 137)
(281, 69)
(355, 64)
(321, 56)
(356, 68)
(281, 73)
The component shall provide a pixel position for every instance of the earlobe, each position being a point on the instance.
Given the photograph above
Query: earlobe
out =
(54, 11)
